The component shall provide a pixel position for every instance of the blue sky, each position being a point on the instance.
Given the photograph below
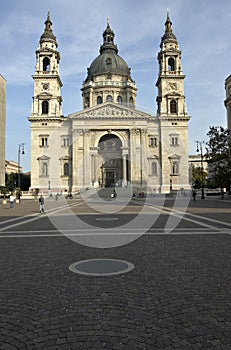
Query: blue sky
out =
(202, 28)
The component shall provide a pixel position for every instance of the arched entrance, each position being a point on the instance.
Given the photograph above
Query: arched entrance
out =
(111, 170)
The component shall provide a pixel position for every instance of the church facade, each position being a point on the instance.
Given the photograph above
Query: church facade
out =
(109, 142)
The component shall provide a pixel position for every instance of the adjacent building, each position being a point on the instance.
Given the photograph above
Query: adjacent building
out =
(2, 128)
(228, 101)
(109, 142)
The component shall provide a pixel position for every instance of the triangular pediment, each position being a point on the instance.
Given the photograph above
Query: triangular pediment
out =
(43, 157)
(110, 111)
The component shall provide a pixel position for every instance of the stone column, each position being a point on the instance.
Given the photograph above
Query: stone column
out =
(94, 165)
(124, 169)
(124, 155)
(143, 155)
(86, 158)
(133, 155)
(77, 154)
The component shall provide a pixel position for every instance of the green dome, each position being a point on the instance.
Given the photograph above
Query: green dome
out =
(108, 61)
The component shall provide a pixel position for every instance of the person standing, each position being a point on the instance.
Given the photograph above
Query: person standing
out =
(41, 204)
(194, 195)
(12, 199)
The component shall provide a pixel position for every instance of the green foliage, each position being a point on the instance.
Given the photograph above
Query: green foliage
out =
(198, 176)
(219, 157)
(12, 181)
(4, 191)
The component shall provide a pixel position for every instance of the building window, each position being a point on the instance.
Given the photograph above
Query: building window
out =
(119, 100)
(66, 169)
(99, 100)
(153, 169)
(46, 64)
(44, 169)
(87, 102)
(43, 141)
(174, 141)
(108, 60)
(131, 101)
(45, 107)
(152, 141)
(43, 166)
(173, 106)
(175, 168)
(171, 64)
(65, 141)
(109, 98)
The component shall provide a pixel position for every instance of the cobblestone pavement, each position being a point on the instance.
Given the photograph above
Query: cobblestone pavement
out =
(176, 297)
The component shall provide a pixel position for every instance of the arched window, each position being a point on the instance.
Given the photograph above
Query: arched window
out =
(174, 140)
(152, 141)
(173, 106)
(119, 100)
(153, 169)
(108, 60)
(99, 100)
(87, 102)
(109, 98)
(171, 64)
(131, 101)
(46, 64)
(66, 169)
(45, 107)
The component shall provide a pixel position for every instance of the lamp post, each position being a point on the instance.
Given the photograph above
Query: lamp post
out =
(200, 149)
(20, 151)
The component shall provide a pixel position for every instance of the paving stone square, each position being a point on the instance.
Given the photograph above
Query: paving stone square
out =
(176, 297)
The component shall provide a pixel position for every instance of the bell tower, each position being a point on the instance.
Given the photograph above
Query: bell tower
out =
(47, 100)
(172, 114)
(170, 83)
(46, 121)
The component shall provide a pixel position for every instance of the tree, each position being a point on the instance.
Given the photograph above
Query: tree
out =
(198, 176)
(219, 157)
(12, 181)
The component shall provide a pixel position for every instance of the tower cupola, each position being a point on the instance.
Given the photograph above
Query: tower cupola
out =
(108, 40)
(48, 35)
(168, 35)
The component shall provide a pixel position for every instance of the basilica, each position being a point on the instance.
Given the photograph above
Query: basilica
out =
(109, 142)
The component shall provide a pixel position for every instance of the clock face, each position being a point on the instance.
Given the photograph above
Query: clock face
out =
(173, 86)
(45, 86)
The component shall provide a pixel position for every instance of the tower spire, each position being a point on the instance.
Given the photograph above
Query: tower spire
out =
(168, 35)
(48, 33)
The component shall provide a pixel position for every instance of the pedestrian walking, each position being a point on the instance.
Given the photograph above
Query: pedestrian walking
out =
(194, 195)
(12, 199)
(41, 204)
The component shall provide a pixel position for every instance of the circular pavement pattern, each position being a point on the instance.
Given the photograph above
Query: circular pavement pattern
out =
(101, 267)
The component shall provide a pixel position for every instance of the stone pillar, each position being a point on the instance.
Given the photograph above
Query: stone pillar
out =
(94, 166)
(143, 156)
(125, 151)
(133, 155)
(124, 169)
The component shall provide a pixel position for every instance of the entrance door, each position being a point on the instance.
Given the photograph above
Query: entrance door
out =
(110, 152)
(109, 180)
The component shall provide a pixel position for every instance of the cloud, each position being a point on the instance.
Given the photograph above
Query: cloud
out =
(202, 28)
